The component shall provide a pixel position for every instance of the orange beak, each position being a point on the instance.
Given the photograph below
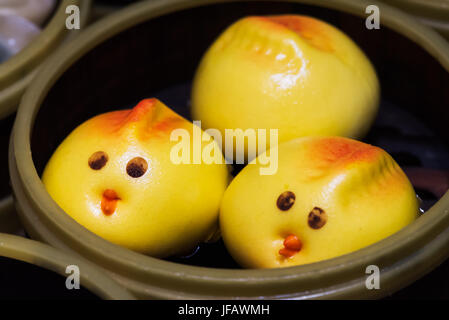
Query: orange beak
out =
(109, 202)
(292, 245)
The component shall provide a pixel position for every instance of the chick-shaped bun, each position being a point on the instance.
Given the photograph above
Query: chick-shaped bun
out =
(294, 73)
(115, 176)
(330, 196)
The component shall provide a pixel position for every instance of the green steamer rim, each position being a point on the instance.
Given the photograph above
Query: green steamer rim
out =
(45, 256)
(15, 75)
(402, 257)
(17, 72)
(432, 13)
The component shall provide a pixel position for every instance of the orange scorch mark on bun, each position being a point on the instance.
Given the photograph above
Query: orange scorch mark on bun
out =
(149, 118)
(335, 155)
(337, 151)
(314, 31)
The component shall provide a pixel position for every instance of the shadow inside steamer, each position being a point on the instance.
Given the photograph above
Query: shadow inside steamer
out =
(21, 280)
(158, 58)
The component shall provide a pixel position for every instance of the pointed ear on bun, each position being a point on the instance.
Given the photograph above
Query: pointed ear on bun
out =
(149, 118)
(152, 115)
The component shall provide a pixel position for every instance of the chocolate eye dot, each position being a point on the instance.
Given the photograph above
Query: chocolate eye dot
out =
(286, 200)
(317, 218)
(136, 167)
(98, 160)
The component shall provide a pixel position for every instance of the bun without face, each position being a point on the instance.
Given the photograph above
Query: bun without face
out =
(293, 73)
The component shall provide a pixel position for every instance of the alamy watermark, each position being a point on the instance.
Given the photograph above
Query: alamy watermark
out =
(373, 20)
(73, 279)
(235, 141)
(373, 279)
(73, 20)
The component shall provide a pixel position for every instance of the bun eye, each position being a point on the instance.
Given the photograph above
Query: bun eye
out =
(136, 167)
(286, 200)
(98, 160)
(317, 218)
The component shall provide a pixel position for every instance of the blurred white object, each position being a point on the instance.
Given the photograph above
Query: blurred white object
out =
(5, 53)
(16, 32)
(34, 10)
